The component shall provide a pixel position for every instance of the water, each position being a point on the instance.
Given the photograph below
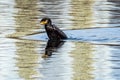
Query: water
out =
(90, 53)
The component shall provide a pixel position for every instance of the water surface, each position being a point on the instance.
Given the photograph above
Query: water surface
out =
(90, 53)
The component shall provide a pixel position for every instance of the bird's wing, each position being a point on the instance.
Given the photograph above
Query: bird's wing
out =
(59, 32)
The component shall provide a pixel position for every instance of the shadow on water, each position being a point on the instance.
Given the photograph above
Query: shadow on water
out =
(51, 47)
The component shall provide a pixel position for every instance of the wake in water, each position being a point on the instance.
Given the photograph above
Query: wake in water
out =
(101, 35)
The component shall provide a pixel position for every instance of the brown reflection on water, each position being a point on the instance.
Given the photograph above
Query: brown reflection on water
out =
(82, 63)
(26, 23)
(81, 11)
(26, 17)
(28, 59)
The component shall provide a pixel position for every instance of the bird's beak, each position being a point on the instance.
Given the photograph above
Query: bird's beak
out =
(43, 22)
(45, 56)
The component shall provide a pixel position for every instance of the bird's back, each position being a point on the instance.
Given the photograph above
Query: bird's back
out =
(54, 33)
(60, 32)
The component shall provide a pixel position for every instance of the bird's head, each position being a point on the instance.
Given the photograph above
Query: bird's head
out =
(45, 21)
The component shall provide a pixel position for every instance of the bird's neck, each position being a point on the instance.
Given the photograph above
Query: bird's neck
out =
(48, 25)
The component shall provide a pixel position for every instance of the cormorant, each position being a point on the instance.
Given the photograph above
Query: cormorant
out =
(53, 32)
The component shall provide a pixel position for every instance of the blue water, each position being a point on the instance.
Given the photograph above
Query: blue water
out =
(101, 35)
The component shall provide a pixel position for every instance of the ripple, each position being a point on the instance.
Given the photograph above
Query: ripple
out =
(91, 51)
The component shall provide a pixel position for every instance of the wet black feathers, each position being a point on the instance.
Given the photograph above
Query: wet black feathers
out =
(53, 32)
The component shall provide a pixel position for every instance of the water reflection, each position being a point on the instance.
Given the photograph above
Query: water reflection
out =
(81, 12)
(106, 15)
(52, 46)
(6, 17)
(115, 11)
(106, 62)
(7, 59)
(27, 59)
(26, 23)
(26, 17)
(82, 64)
(58, 11)
(58, 66)
(21, 59)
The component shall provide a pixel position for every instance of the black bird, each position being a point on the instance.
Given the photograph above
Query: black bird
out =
(53, 32)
